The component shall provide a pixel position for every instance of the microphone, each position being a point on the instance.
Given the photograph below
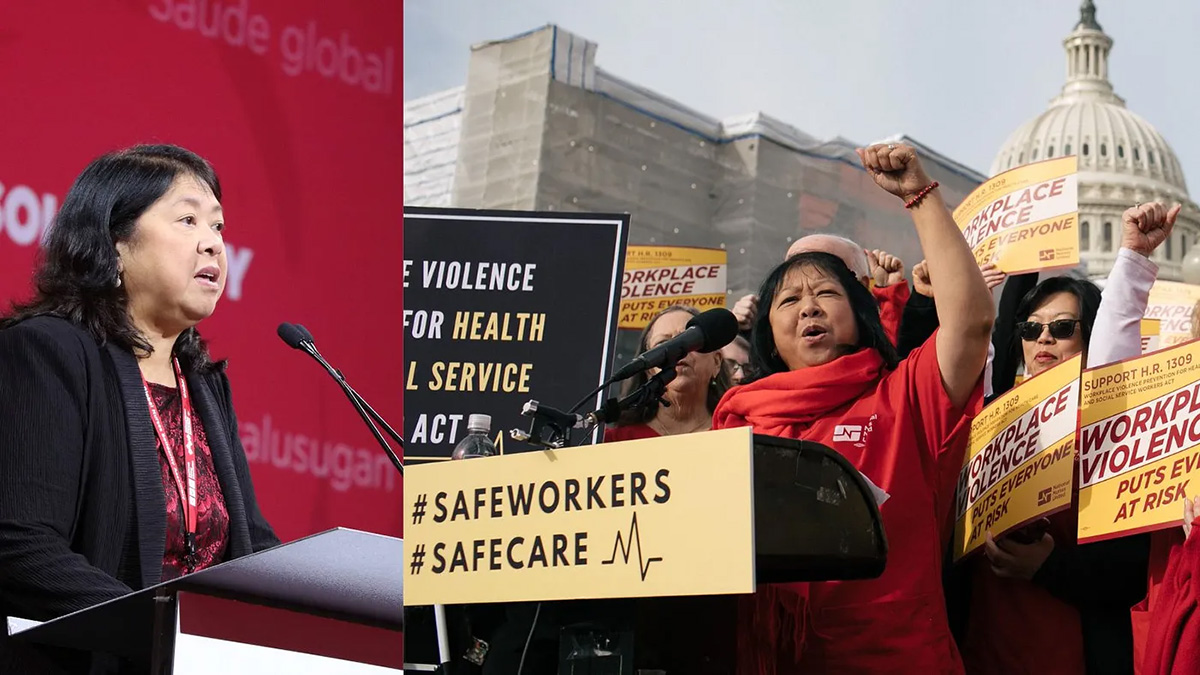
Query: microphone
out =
(293, 336)
(705, 333)
(298, 337)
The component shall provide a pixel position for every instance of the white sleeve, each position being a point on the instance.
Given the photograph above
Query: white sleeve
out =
(1117, 334)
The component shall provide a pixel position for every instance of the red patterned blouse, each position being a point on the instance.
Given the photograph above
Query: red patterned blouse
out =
(212, 522)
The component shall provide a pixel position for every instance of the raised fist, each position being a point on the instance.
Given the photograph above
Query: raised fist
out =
(746, 310)
(895, 168)
(992, 276)
(1144, 228)
(921, 282)
(886, 269)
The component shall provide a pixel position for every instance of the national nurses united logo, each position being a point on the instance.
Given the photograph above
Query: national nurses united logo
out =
(856, 432)
(1045, 496)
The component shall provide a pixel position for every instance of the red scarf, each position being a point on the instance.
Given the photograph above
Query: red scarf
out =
(786, 405)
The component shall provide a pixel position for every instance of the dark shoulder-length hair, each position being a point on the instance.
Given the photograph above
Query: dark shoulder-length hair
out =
(1086, 292)
(764, 355)
(77, 276)
(642, 415)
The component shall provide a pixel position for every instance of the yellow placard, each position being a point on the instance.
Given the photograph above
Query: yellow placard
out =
(1026, 219)
(657, 277)
(1138, 443)
(1151, 335)
(1019, 458)
(632, 519)
(1173, 305)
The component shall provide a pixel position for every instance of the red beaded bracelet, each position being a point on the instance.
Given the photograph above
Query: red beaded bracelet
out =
(920, 195)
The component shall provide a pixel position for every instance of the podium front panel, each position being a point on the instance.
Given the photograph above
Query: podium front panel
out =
(654, 517)
(195, 655)
(224, 620)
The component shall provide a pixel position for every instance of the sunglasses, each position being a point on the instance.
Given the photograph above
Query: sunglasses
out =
(1060, 329)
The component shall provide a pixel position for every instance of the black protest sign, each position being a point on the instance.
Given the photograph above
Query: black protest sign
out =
(500, 308)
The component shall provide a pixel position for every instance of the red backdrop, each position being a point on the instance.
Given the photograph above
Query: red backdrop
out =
(298, 104)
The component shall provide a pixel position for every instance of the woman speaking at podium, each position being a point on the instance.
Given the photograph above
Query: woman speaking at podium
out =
(120, 463)
(825, 371)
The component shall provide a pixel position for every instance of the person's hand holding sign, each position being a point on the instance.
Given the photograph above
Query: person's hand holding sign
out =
(1190, 508)
(1013, 559)
(1145, 227)
(993, 276)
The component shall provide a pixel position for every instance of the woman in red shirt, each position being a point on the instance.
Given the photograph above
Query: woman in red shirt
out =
(701, 381)
(824, 364)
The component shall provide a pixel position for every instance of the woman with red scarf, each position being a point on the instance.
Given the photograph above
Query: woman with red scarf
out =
(823, 362)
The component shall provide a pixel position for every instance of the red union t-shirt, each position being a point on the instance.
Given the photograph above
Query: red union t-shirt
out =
(900, 429)
(629, 432)
(891, 301)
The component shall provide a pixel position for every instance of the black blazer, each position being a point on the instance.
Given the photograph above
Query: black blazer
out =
(82, 510)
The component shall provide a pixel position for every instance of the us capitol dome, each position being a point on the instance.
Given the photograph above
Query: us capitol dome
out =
(1123, 160)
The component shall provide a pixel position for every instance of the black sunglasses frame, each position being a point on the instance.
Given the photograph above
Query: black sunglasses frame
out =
(1060, 329)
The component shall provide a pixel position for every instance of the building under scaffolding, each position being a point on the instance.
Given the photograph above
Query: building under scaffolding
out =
(538, 126)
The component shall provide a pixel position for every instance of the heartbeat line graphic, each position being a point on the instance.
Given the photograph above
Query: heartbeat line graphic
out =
(627, 545)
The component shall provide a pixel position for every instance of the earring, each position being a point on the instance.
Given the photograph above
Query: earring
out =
(119, 280)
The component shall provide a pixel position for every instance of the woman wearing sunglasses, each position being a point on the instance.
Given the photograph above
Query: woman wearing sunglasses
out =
(1038, 601)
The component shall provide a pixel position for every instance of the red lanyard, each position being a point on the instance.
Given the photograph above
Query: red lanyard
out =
(187, 497)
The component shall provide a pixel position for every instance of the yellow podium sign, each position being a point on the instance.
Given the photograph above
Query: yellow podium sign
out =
(656, 517)
(1139, 443)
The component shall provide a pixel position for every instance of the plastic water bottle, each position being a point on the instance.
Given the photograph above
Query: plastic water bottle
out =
(476, 443)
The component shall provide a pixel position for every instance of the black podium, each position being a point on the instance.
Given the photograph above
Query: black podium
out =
(815, 518)
(328, 603)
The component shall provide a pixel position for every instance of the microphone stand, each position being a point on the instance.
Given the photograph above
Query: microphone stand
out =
(365, 411)
(550, 428)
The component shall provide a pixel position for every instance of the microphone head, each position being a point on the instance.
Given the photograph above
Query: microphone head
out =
(719, 327)
(304, 331)
(290, 334)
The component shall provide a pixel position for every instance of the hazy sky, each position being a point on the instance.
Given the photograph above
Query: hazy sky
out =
(958, 75)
